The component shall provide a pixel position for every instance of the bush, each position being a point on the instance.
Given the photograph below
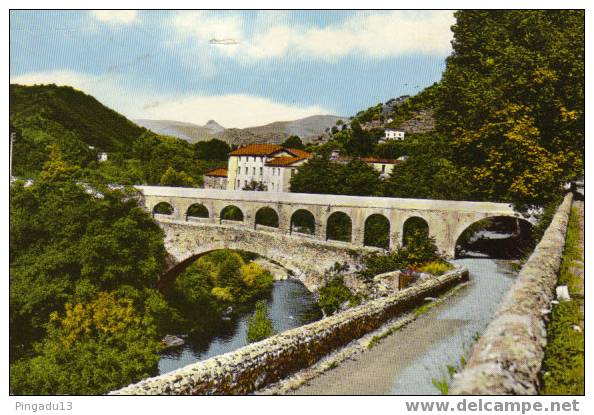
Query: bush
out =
(435, 267)
(419, 249)
(334, 294)
(259, 325)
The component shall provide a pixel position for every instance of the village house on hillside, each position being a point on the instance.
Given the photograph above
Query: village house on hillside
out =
(216, 179)
(382, 165)
(270, 165)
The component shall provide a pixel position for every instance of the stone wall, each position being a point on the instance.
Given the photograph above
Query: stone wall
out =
(259, 364)
(307, 258)
(507, 359)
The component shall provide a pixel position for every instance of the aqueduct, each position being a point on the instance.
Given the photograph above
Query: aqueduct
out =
(199, 222)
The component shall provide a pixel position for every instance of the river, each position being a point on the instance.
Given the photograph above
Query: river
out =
(406, 362)
(290, 305)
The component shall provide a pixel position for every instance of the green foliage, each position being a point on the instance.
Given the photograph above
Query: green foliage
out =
(93, 348)
(46, 115)
(267, 217)
(197, 210)
(333, 294)
(254, 185)
(99, 240)
(212, 283)
(418, 250)
(427, 172)
(435, 267)
(232, 212)
(377, 231)
(171, 177)
(163, 208)
(294, 142)
(214, 150)
(259, 325)
(339, 227)
(564, 362)
(320, 175)
(512, 101)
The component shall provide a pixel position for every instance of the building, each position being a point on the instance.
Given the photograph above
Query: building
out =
(269, 164)
(391, 134)
(102, 156)
(216, 179)
(382, 165)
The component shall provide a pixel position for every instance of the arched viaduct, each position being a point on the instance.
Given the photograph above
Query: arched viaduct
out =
(188, 236)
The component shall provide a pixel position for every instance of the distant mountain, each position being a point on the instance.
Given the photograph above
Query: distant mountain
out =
(309, 129)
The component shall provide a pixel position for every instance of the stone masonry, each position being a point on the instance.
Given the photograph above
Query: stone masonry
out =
(259, 364)
(508, 357)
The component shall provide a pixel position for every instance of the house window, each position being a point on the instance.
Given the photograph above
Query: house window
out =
(238, 184)
(261, 171)
(254, 171)
(383, 168)
(246, 170)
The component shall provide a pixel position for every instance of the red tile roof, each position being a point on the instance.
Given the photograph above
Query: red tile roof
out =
(219, 172)
(299, 153)
(283, 161)
(257, 150)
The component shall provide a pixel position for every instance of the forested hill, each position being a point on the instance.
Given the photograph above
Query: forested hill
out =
(44, 115)
(49, 116)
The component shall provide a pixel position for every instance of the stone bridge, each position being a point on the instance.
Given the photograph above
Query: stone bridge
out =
(188, 235)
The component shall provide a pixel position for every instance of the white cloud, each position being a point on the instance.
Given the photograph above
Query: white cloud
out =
(115, 16)
(231, 110)
(375, 35)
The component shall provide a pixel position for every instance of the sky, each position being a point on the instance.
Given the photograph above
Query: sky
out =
(240, 68)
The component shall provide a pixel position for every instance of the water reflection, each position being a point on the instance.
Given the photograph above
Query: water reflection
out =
(291, 305)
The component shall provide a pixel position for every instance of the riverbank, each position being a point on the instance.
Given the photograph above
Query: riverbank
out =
(407, 360)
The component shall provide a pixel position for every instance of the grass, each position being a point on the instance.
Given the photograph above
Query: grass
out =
(564, 354)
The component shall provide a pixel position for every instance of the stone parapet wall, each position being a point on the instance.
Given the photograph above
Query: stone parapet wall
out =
(259, 364)
(508, 357)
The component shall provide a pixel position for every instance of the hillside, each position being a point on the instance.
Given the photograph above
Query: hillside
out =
(309, 129)
(43, 115)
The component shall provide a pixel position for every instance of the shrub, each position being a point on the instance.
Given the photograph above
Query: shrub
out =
(259, 325)
(334, 294)
(435, 267)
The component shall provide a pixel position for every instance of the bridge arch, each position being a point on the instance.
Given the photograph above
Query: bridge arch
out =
(412, 225)
(339, 227)
(491, 236)
(197, 210)
(377, 231)
(163, 208)
(232, 213)
(267, 216)
(303, 221)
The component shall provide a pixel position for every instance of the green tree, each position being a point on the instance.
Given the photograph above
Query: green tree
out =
(293, 142)
(516, 77)
(91, 349)
(214, 149)
(259, 325)
(100, 240)
(176, 178)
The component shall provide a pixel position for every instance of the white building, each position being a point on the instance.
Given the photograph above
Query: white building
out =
(269, 164)
(391, 134)
(102, 156)
(216, 179)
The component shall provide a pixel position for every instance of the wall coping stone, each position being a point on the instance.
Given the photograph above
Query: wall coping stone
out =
(508, 357)
(256, 365)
